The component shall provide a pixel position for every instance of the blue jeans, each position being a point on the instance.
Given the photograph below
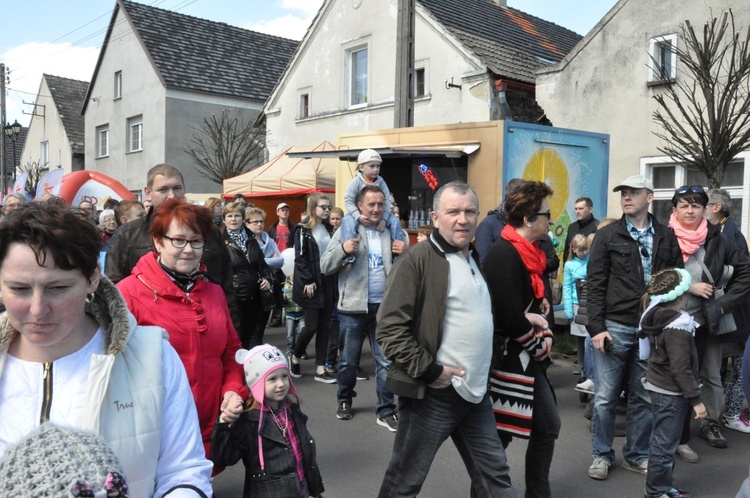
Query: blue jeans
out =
(293, 327)
(669, 413)
(588, 360)
(349, 227)
(610, 370)
(423, 426)
(353, 329)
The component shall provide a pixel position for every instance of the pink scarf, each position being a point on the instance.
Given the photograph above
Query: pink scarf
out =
(690, 240)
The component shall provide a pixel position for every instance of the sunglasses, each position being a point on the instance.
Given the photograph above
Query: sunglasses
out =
(695, 189)
(325, 207)
(642, 245)
(548, 214)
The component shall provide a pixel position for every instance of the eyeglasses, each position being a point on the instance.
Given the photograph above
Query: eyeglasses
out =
(695, 189)
(255, 222)
(180, 243)
(326, 207)
(548, 214)
(642, 245)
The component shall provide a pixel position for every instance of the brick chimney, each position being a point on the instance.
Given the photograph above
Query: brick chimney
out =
(500, 3)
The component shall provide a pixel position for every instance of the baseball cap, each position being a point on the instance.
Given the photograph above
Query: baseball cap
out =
(369, 156)
(636, 182)
(282, 205)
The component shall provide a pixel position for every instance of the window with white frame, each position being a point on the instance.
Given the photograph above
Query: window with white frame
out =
(304, 105)
(135, 133)
(44, 154)
(420, 88)
(668, 176)
(304, 102)
(118, 85)
(662, 59)
(357, 69)
(102, 140)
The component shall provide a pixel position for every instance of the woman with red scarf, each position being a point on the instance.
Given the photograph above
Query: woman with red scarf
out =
(524, 401)
(705, 252)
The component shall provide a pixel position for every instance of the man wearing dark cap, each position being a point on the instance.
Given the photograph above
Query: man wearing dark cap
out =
(624, 256)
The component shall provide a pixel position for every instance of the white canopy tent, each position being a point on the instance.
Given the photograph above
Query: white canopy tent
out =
(286, 176)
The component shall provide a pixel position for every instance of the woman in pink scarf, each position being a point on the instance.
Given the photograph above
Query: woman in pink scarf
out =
(706, 251)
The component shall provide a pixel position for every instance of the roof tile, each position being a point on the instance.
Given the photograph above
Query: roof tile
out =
(204, 56)
(511, 43)
(68, 96)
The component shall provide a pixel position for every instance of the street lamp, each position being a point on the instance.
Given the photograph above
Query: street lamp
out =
(12, 131)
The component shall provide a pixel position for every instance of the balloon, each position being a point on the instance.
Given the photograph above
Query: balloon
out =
(288, 267)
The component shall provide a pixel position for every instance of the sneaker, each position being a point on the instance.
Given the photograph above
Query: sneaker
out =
(587, 386)
(390, 422)
(331, 369)
(599, 469)
(641, 468)
(326, 378)
(712, 434)
(678, 493)
(739, 423)
(304, 356)
(687, 454)
(361, 374)
(294, 371)
(345, 410)
(588, 411)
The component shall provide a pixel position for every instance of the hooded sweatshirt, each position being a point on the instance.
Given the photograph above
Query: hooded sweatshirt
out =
(673, 363)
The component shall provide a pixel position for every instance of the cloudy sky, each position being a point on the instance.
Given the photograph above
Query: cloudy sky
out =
(63, 37)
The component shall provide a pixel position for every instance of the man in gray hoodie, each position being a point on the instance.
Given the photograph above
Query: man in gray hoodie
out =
(361, 287)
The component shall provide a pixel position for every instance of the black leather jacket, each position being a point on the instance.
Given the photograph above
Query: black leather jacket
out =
(248, 266)
(307, 268)
(720, 251)
(615, 273)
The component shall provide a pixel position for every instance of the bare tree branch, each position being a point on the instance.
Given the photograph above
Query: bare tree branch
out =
(705, 116)
(226, 145)
(36, 172)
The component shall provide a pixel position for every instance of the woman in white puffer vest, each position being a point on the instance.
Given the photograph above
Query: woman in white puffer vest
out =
(71, 354)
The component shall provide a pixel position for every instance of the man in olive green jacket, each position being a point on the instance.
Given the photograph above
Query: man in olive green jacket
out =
(435, 325)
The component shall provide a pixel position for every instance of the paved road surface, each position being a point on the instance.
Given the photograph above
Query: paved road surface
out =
(353, 454)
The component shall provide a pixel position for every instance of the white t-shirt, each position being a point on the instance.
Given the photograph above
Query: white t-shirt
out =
(376, 271)
(468, 327)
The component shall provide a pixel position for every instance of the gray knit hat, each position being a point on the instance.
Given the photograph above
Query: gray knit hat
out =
(61, 462)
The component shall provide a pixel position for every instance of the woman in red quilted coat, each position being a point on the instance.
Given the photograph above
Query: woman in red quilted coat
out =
(169, 288)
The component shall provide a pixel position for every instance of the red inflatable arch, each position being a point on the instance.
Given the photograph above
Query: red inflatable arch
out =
(93, 187)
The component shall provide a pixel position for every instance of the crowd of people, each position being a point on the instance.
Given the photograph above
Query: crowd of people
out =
(143, 323)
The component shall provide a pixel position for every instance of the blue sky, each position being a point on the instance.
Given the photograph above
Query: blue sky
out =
(62, 37)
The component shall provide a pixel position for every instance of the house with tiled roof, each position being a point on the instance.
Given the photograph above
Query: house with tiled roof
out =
(608, 84)
(475, 60)
(159, 73)
(55, 134)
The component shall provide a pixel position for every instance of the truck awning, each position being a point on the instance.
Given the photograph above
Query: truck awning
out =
(454, 150)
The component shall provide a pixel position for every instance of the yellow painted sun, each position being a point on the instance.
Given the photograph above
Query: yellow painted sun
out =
(546, 165)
